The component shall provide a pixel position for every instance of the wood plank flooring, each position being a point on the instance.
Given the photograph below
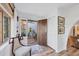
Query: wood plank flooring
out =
(31, 41)
(71, 52)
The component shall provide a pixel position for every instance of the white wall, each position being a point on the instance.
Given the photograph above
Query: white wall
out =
(52, 40)
(52, 32)
(71, 17)
(61, 37)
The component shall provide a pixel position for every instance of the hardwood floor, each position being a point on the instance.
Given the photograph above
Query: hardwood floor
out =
(50, 52)
(38, 50)
(71, 52)
(31, 41)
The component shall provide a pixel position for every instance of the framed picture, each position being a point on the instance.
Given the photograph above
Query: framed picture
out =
(61, 30)
(61, 25)
(61, 21)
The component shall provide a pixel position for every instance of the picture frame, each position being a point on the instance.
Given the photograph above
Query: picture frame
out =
(61, 30)
(61, 21)
(61, 25)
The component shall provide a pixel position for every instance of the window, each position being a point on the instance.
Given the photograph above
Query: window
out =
(24, 27)
(6, 28)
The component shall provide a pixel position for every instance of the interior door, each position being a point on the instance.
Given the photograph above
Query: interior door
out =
(42, 32)
(1, 31)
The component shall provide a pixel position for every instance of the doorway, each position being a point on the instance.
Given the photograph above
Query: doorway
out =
(42, 32)
(32, 32)
(37, 32)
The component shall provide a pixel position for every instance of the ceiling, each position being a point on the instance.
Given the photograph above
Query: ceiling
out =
(41, 9)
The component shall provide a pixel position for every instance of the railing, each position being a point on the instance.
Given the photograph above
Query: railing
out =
(20, 37)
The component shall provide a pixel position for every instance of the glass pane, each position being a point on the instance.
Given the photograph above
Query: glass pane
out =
(6, 28)
(32, 29)
(23, 27)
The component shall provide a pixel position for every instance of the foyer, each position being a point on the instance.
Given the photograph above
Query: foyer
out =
(39, 29)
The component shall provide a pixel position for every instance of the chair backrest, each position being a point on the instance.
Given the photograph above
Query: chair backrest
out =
(16, 44)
